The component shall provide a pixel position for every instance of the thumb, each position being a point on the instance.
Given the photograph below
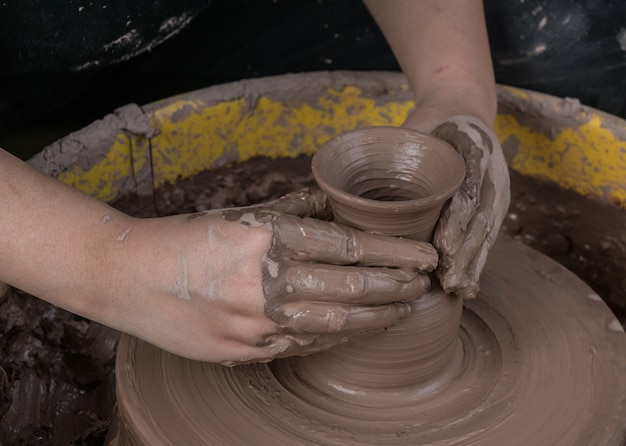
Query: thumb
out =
(307, 202)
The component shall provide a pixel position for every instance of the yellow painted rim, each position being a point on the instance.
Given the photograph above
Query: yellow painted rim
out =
(559, 140)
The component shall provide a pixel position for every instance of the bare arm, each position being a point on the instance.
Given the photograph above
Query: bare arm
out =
(443, 49)
(55, 241)
(221, 286)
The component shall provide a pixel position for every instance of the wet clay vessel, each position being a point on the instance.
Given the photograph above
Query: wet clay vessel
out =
(388, 180)
(391, 181)
(537, 358)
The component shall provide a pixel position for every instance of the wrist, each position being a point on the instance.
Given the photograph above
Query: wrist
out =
(442, 100)
(105, 280)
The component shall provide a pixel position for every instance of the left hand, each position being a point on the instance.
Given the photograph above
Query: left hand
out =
(443, 49)
(470, 223)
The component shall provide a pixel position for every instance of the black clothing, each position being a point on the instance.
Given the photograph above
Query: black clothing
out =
(62, 64)
(568, 48)
(61, 35)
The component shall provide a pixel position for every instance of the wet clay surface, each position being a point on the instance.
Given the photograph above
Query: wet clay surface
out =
(540, 360)
(390, 181)
(586, 236)
(56, 376)
(81, 360)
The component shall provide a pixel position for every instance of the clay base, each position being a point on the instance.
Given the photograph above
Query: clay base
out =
(543, 363)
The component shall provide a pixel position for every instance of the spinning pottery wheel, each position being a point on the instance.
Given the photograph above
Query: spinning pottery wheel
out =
(538, 359)
(532, 370)
(488, 374)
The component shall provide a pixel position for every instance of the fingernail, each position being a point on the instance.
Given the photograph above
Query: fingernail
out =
(278, 348)
(468, 292)
(405, 310)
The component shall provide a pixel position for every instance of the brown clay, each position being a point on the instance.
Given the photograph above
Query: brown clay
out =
(392, 181)
(538, 359)
(542, 362)
(388, 180)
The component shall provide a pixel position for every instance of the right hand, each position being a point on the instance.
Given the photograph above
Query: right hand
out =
(252, 284)
(237, 285)
(470, 223)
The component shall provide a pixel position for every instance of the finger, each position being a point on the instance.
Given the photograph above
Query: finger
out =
(307, 202)
(454, 263)
(464, 236)
(282, 345)
(475, 145)
(453, 269)
(458, 264)
(311, 282)
(469, 285)
(453, 224)
(308, 239)
(291, 344)
(314, 317)
(461, 270)
(466, 135)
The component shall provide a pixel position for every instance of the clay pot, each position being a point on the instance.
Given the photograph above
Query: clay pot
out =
(392, 181)
(389, 180)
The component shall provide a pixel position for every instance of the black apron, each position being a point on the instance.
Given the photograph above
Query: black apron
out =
(68, 62)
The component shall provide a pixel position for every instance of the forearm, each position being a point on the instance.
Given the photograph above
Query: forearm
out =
(56, 242)
(443, 49)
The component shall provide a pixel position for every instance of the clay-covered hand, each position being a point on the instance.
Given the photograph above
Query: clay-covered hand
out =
(257, 283)
(469, 225)
(326, 283)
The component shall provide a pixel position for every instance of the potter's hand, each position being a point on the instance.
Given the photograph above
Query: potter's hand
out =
(443, 49)
(224, 286)
(469, 225)
(303, 284)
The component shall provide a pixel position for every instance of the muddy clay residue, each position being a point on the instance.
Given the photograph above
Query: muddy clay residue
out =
(56, 374)
(586, 236)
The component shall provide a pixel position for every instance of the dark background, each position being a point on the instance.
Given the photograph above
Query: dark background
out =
(58, 77)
